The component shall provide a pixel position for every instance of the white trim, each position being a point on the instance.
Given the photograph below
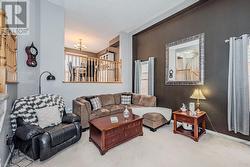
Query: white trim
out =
(9, 156)
(229, 137)
(161, 17)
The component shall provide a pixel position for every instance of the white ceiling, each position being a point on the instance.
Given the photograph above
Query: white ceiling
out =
(98, 21)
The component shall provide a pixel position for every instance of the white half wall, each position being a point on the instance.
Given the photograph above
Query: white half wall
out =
(52, 59)
(27, 77)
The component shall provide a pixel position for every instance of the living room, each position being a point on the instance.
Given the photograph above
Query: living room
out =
(118, 83)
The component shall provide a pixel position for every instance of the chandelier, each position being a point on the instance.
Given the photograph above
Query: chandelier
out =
(79, 45)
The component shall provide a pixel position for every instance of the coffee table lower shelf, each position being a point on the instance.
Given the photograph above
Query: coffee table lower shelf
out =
(189, 133)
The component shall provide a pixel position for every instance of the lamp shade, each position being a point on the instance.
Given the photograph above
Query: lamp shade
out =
(197, 94)
(51, 77)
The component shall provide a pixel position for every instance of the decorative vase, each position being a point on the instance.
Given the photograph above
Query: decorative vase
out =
(126, 113)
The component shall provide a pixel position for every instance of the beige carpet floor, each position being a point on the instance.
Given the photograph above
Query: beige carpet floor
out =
(159, 149)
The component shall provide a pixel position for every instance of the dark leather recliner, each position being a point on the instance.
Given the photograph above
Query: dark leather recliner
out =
(37, 143)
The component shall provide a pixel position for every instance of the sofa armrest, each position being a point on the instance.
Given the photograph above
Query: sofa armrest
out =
(78, 129)
(27, 132)
(46, 147)
(70, 118)
(83, 109)
(154, 101)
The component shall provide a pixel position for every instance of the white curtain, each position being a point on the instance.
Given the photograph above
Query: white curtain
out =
(238, 86)
(137, 77)
(151, 63)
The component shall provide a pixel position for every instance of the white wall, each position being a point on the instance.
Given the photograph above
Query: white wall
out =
(28, 76)
(52, 59)
(6, 129)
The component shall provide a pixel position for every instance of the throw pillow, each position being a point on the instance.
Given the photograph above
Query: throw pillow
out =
(107, 99)
(147, 101)
(126, 99)
(96, 103)
(48, 116)
(136, 98)
(117, 98)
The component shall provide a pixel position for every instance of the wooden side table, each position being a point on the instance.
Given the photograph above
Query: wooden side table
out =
(186, 117)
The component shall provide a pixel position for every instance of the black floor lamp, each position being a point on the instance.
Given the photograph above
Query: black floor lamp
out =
(50, 77)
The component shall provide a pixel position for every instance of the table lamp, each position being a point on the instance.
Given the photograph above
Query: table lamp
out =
(198, 95)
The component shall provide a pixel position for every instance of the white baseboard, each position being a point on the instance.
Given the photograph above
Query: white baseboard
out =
(9, 156)
(229, 137)
(226, 136)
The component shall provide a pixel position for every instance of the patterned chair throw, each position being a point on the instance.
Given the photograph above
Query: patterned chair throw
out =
(25, 107)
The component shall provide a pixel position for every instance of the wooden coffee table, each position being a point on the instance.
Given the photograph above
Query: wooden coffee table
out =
(106, 135)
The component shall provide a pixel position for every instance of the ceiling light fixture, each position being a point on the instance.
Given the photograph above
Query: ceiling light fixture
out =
(79, 45)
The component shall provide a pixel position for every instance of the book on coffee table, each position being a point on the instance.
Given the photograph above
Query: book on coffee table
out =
(113, 119)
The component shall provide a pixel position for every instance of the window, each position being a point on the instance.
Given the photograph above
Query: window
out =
(82, 68)
(144, 78)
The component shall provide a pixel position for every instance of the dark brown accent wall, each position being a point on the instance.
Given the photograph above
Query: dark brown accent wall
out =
(219, 20)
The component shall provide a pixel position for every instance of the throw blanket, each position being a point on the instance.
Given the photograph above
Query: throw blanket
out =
(26, 108)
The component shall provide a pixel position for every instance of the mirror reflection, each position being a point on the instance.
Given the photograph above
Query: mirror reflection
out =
(187, 64)
(185, 61)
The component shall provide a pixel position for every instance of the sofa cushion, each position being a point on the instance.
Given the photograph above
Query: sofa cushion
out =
(136, 98)
(107, 99)
(27, 131)
(115, 108)
(61, 133)
(134, 106)
(117, 98)
(99, 113)
(147, 101)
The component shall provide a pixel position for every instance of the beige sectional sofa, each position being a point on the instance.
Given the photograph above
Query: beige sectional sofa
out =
(111, 104)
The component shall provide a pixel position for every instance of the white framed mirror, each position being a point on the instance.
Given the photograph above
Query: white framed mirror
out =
(185, 61)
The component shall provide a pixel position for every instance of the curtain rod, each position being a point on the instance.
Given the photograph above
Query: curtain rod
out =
(227, 40)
